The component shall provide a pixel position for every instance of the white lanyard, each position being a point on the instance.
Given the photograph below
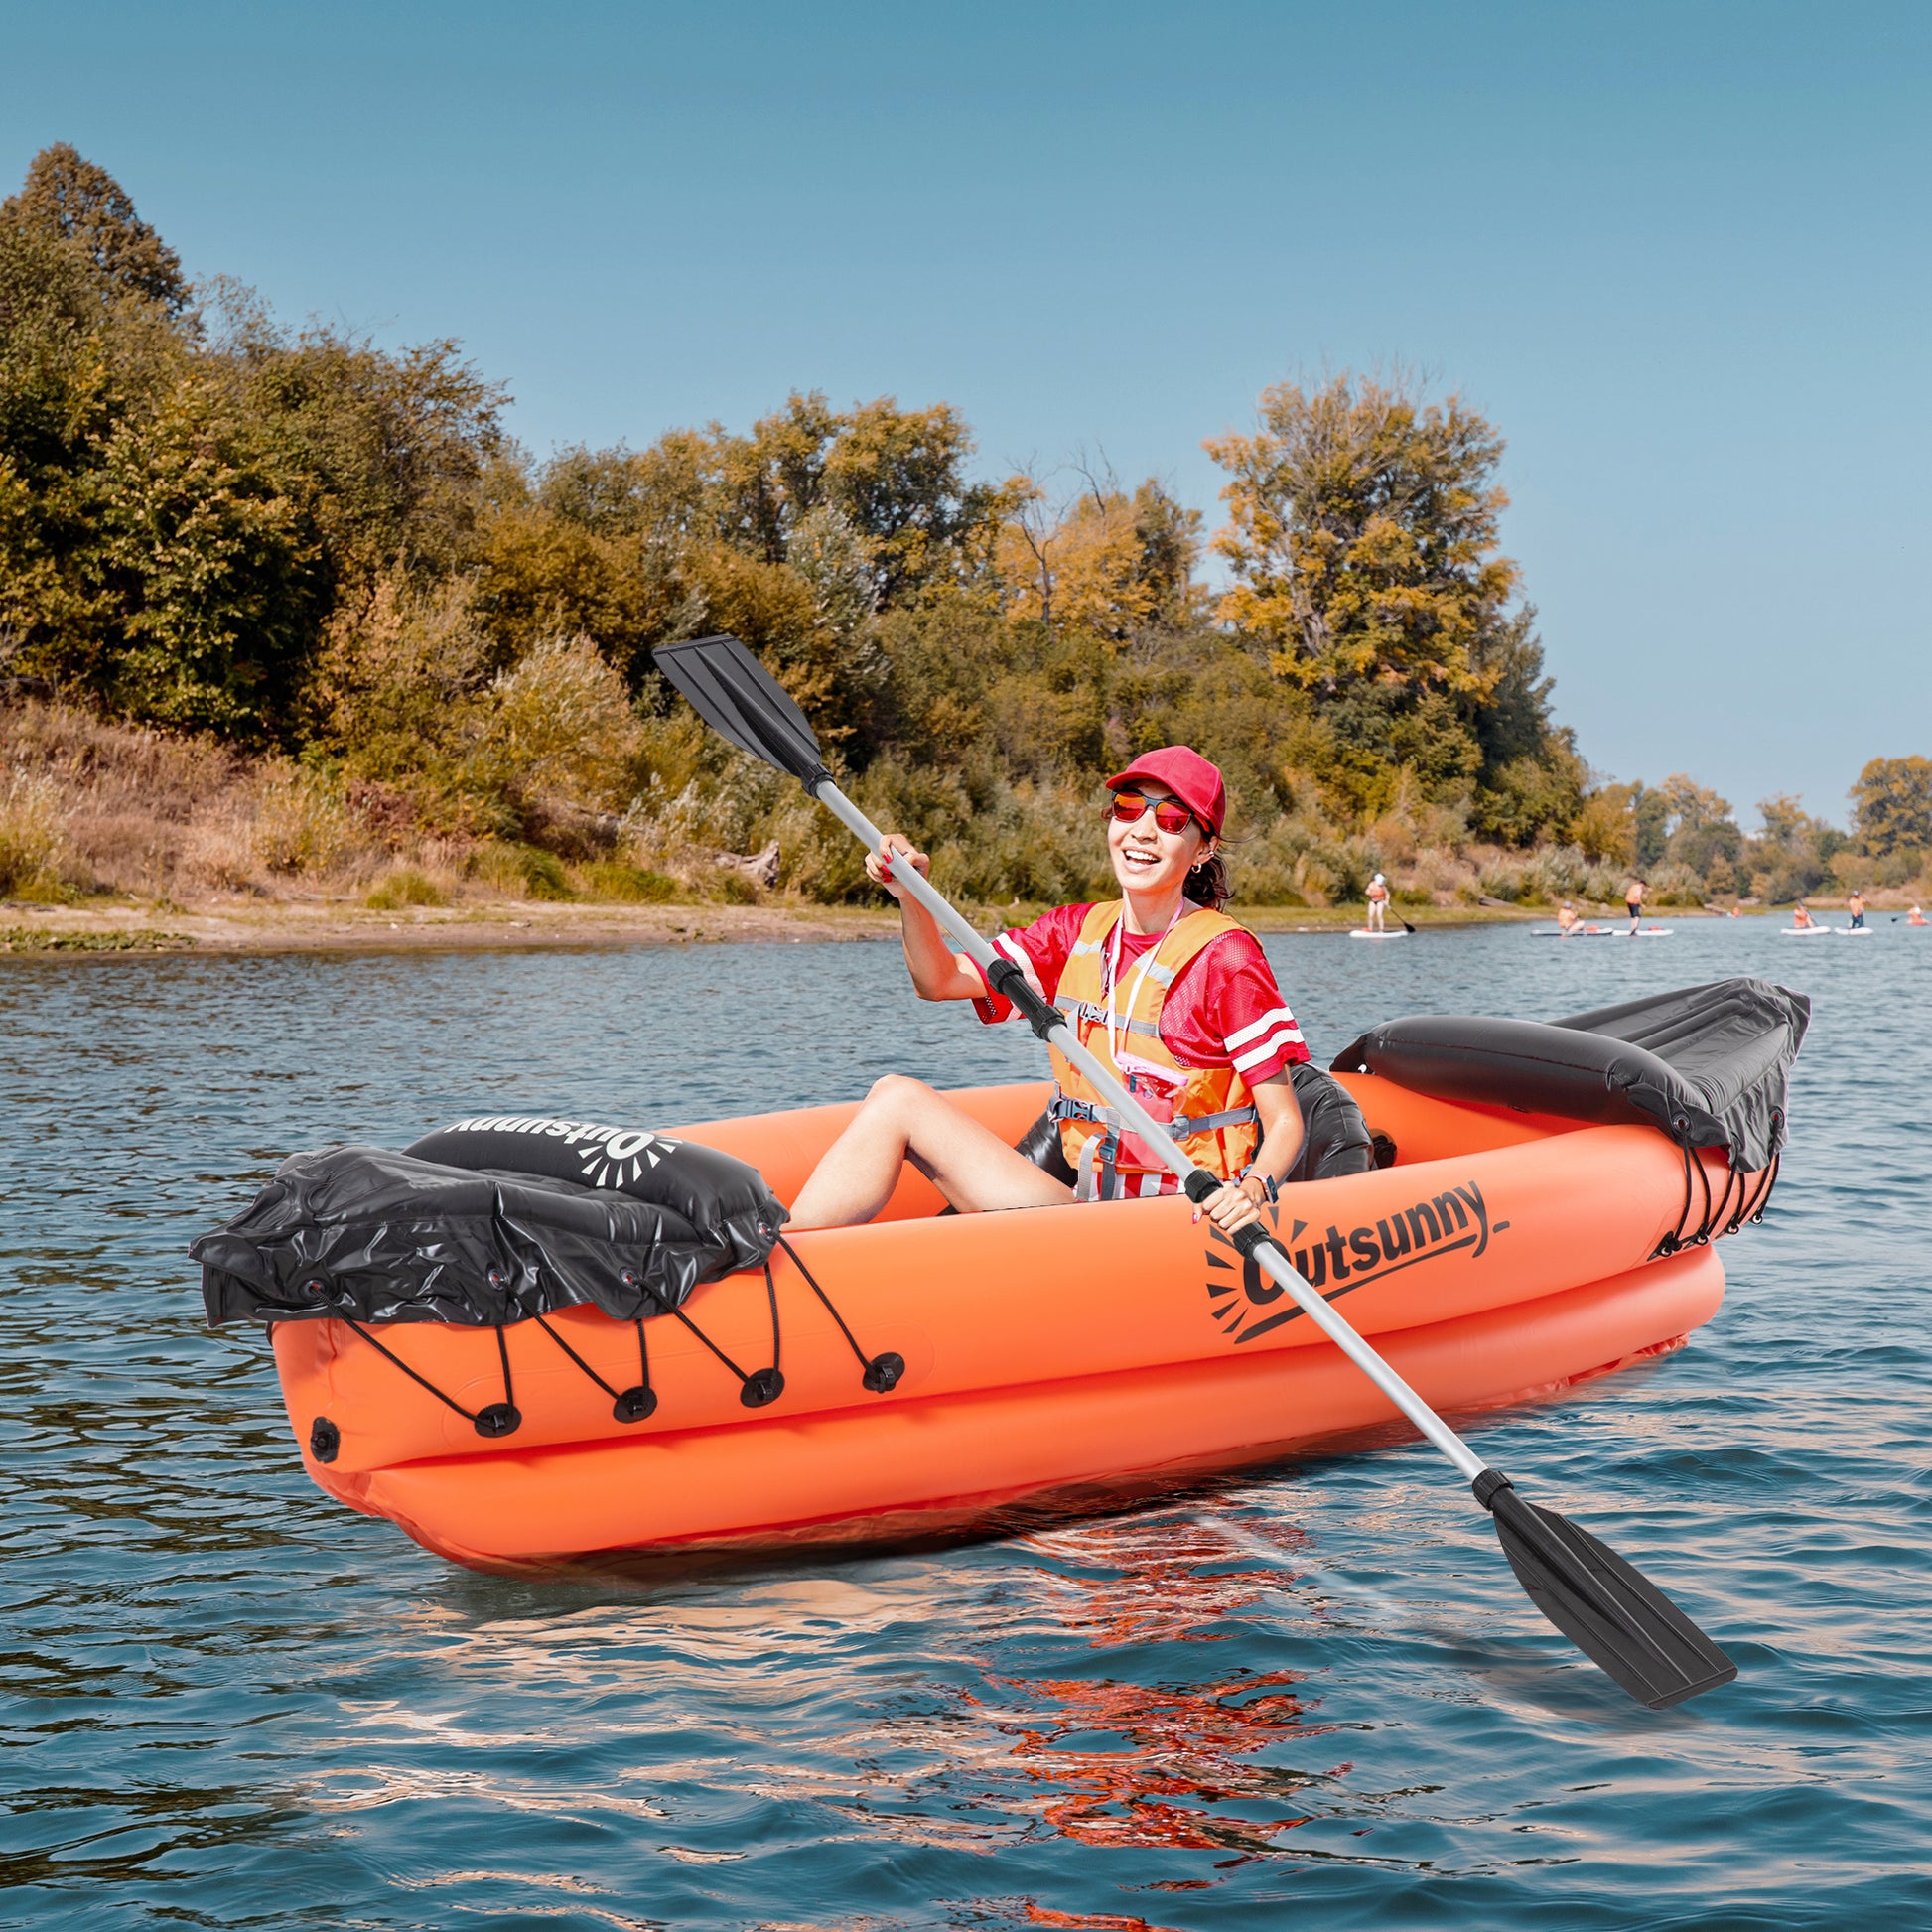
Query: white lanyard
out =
(1133, 992)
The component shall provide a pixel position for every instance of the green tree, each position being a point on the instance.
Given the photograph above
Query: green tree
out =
(78, 354)
(1702, 834)
(895, 476)
(214, 572)
(67, 197)
(1795, 853)
(387, 451)
(1892, 800)
(1362, 538)
(1650, 811)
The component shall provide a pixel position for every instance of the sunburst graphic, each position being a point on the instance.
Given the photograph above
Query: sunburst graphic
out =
(618, 1155)
(1236, 1287)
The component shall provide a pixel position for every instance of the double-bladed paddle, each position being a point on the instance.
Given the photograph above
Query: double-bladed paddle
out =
(1616, 1616)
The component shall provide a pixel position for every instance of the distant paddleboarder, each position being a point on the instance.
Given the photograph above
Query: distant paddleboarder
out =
(1801, 918)
(1633, 903)
(1567, 920)
(1855, 907)
(1378, 904)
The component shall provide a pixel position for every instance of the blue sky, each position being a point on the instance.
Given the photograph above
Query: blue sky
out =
(1677, 252)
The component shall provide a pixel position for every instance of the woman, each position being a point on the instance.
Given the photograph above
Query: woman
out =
(1175, 997)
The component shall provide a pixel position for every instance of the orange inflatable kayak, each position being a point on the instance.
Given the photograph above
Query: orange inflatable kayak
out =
(933, 1373)
(1051, 1350)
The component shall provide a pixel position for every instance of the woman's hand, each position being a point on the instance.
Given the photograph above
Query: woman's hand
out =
(1232, 1208)
(895, 845)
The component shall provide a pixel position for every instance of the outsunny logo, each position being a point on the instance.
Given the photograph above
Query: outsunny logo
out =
(1245, 1301)
(604, 1153)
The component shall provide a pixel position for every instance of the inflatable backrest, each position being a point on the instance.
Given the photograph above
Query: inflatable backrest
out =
(1707, 1064)
(491, 1220)
(712, 1190)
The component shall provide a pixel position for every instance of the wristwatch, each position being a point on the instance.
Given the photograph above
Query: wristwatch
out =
(1269, 1191)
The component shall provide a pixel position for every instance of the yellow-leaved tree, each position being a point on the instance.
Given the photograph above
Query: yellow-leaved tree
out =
(1114, 565)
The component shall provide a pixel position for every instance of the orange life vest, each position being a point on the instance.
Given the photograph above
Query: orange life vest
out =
(1209, 1108)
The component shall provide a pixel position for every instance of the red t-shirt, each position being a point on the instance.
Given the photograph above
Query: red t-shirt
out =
(1224, 1009)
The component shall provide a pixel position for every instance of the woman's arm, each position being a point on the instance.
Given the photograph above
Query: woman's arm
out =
(938, 973)
(1240, 1202)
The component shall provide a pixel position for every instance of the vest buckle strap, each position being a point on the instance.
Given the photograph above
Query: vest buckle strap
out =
(1094, 1016)
(1061, 1108)
(1209, 1122)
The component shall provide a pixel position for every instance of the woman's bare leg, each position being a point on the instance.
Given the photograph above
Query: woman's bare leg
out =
(904, 1119)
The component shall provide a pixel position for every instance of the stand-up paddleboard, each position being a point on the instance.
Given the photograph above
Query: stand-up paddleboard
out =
(1576, 933)
(1803, 931)
(1855, 931)
(1362, 932)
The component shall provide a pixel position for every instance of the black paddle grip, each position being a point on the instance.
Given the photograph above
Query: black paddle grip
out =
(1250, 1238)
(1486, 1484)
(1039, 1013)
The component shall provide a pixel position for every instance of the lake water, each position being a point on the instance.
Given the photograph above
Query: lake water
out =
(1314, 1698)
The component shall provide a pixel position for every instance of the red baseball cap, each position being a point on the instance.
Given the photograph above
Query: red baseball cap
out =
(1185, 773)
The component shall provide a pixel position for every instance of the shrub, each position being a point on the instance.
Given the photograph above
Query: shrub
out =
(302, 823)
(632, 885)
(1789, 878)
(522, 870)
(1676, 886)
(559, 726)
(404, 886)
(31, 840)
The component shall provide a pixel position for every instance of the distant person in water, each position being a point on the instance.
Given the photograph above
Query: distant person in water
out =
(1378, 904)
(1916, 918)
(1855, 907)
(1633, 903)
(1800, 917)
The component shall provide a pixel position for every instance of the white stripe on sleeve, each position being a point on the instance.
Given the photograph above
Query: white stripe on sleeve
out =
(1255, 1055)
(1242, 1034)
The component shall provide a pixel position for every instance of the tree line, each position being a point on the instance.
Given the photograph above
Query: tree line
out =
(321, 549)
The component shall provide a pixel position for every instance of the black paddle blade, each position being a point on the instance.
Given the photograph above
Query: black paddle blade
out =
(1621, 1620)
(739, 699)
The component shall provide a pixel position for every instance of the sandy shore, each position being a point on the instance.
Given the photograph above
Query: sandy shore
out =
(320, 923)
(344, 926)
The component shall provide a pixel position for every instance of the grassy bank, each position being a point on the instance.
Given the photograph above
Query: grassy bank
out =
(123, 837)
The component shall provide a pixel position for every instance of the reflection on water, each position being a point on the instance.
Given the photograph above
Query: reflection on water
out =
(233, 1704)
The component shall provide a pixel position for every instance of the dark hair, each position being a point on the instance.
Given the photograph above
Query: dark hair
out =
(1207, 885)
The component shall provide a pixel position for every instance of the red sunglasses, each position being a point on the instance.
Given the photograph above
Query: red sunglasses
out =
(1130, 807)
